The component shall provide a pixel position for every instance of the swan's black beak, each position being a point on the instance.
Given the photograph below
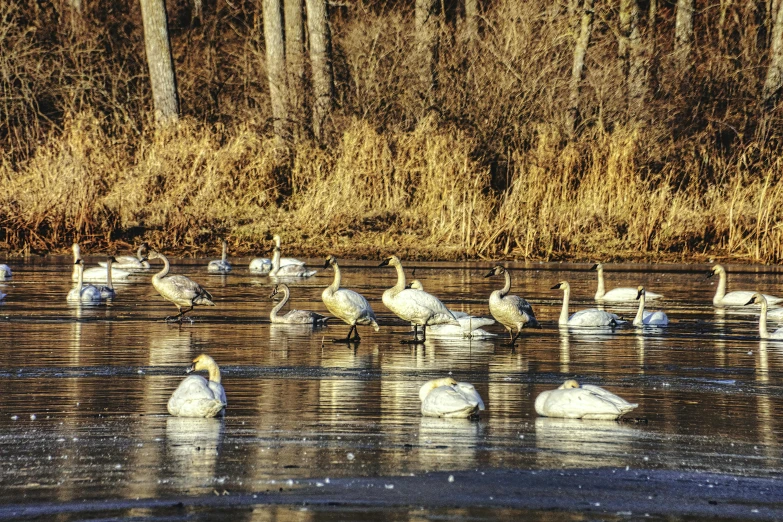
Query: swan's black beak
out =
(555, 287)
(190, 369)
(752, 300)
(594, 267)
(274, 292)
(639, 294)
(710, 274)
(385, 262)
(491, 273)
(326, 265)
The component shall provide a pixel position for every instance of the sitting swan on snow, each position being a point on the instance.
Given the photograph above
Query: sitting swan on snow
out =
(592, 317)
(196, 396)
(293, 316)
(623, 293)
(658, 318)
(572, 401)
(763, 332)
(469, 325)
(448, 398)
(735, 298)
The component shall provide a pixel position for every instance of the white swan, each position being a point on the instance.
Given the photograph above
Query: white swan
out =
(448, 398)
(5, 272)
(137, 262)
(293, 316)
(222, 265)
(83, 293)
(108, 292)
(347, 305)
(591, 317)
(415, 306)
(95, 274)
(469, 325)
(263, 265)
(572, 401)
(196, 396)
(180, 290)
(735, 298)
(658, 318)
(763, 332)
(287, 270)
(623, 293)
(510, 310)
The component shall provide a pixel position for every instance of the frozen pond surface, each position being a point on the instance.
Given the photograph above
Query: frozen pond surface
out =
(322, 431)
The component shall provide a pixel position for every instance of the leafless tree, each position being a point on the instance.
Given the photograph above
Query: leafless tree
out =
(159, 61)
(683, 34)
(577, 69)
(275, 65)
(295, 65)
(632, 58)
(426, 46)
(321, 63)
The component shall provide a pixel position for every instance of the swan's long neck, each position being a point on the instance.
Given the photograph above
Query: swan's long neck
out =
(76, 256)
(507, 288)
(225, 252)
(214, 373)
(276, 261)
(639, 319)
(139, 253)
(166, 267)
(763, 333)
(564, 311)
(337, 278)
(281, 304)
(108, 274)
(400, 286)
(722, 284)
(80, 282)
(601, 291)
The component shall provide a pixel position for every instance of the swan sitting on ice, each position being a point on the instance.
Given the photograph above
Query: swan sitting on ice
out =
(763, 332)
(658, 318)
(222, 265)
(448, 398)
(5, 272)
(591, 317)
(572, 401)
(137, 262)
(95, 274)
(82, 293)
(263, 265)
(735, 298)
(469, 325)
(293, 316)
(196, 396)
(623, 293)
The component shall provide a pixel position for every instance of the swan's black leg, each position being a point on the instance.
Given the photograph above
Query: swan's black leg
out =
(348, 337)
(415, 339)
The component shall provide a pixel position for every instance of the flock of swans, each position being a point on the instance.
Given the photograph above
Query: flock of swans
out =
(445, 397)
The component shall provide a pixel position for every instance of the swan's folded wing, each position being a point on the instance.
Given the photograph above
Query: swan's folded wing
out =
(470, 323)
(609, 397)
(446, 401)
(468, 391)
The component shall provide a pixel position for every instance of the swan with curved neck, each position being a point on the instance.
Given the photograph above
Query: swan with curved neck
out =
(763, 332)
(735, 298)
(591, 317)
(510, 310)
(293, 316)
(287, 270)
(222, 265)
(196, 396)
(347, 305)
(180, 290)
(95, 274)
(623, 293)
(415, 306)
(658, 318)
(81, 292)
(128, 262)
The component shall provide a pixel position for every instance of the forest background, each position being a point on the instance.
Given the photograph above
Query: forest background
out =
(635, 129)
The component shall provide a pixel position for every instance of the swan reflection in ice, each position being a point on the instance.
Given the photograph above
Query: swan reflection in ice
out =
(584, 443)
(193, 446)
(447, 441)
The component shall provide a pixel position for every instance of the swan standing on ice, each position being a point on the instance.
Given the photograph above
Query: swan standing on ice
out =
(293, 316)
(5, 272)
(83, 293)
(572, 401)
(263, 265)
(736, 298)
(510, 310)
(469, 325)
(415, 306)
(222, 265)
(590, 317)
(137, 262)
(347, 305)
(196, 396)
(448, 398)
(763, 332)
(180, 290)
(95, 274)
(623, 293)
(658, 318)
(107, 292)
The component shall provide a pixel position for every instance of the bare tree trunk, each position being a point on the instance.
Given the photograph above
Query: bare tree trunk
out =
(275, 65)
(683, 34)
(774, 79)
(580, 51)
(295, 66)
(159, 61)
(427, 46)
(631, 56)
(471, 17)
(321, 63)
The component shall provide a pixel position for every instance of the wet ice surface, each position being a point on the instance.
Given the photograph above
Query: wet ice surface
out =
(83, 416)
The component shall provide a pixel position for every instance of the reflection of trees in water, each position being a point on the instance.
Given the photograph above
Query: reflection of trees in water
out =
(582, 443)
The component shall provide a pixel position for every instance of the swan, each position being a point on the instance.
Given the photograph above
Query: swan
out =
(572, 401)
(263, 265)
(293, 316)
(469, 325)
(107, 292)
(287, 270)
(137, 262)
(180, 290)
(589, 317)
(624, 293)
(96, 274)
(510, 310)
(5, 272)
(763, 332)
(196, 396)
(735, 298)
(448, 398)
(347, 305)
(643, 318)
(415, 306)
(83, 293)
(222, 265)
